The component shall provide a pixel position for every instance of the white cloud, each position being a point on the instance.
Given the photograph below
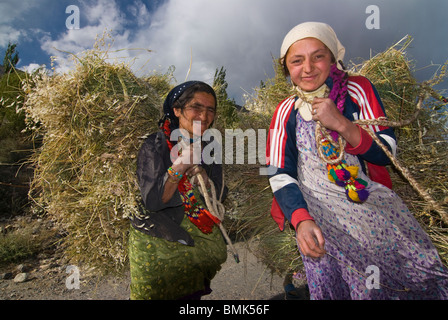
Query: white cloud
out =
(102, 16)
(11, 11)
(211, 34)
(103, 13)
(31, 67)
(9, 34)
(241, 35)
(234, 34)
(140, 12)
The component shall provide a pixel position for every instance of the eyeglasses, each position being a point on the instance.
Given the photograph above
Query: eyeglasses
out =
(197, 109)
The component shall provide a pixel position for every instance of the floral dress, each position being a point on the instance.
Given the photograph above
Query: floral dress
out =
(375, 250)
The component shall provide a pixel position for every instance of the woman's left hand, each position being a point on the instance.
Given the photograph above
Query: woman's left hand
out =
(198, 170)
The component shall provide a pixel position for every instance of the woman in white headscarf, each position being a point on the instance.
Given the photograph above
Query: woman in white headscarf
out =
(357, 238)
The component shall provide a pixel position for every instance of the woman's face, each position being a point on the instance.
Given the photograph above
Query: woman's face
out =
(309, 62)
(200, 109)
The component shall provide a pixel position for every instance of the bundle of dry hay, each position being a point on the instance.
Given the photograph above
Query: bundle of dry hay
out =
(423, 143)
(89, 122)
(422, 150)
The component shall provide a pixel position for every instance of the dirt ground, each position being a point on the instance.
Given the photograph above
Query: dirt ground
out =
(247, 280)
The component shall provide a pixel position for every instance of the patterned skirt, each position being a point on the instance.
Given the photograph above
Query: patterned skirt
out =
(375, 250)
(166, 270)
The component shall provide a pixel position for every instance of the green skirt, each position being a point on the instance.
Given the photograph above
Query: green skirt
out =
(166, 270)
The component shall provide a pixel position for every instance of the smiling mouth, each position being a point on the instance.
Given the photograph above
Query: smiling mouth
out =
(309, 78)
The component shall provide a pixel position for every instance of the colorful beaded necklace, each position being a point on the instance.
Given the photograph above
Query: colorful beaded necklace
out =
(193, 207)
(338, 171)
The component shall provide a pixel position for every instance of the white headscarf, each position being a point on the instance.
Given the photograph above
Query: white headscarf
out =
(318, 30)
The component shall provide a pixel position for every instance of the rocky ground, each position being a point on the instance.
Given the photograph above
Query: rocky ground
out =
(47, 278)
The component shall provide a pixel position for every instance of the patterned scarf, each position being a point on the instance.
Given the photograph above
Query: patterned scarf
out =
(193, 206)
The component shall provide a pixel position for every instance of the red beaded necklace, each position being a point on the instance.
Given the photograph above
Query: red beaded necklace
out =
(194, 209)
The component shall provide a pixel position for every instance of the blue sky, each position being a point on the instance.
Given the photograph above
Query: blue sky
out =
(241, 35)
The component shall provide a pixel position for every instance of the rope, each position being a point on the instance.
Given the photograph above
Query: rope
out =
(216, 208)
(382, 121)
(405, 172)
(214, 205)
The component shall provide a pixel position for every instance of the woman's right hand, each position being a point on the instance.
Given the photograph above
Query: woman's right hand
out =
(183, 164)
(310, 239)
(187, 159)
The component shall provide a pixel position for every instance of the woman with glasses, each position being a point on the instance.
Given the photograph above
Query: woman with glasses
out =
(175, 246)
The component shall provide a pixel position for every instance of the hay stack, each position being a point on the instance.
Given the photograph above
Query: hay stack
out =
(89, 122)
(422, 149)
(422, 144)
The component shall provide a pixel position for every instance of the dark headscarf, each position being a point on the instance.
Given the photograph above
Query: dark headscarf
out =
(173, 96)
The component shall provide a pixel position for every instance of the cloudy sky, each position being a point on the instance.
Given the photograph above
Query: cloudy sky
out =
(240, 35)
